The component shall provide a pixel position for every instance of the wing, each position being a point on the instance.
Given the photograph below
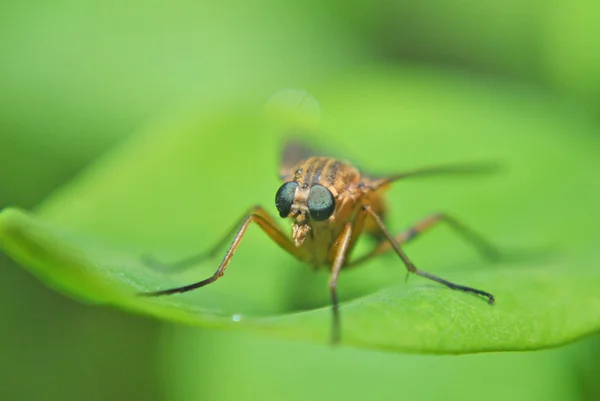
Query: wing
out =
(294, 151)
(457, 169)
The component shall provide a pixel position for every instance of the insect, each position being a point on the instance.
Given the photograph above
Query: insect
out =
(331, 204)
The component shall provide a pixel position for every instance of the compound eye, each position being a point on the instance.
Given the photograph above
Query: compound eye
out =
(320, 203)
(285, 197)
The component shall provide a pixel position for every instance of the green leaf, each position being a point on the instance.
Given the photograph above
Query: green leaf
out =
(173, 190)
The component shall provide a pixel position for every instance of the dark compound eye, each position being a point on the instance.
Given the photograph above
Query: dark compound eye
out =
(320, 203)
(285, 197)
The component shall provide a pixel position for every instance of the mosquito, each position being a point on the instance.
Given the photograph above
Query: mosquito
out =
(330, 204)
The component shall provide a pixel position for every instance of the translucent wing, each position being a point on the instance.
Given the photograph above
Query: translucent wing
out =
(457, 169)
(294, 151)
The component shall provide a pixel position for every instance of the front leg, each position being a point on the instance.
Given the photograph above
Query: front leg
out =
(267, 224)
(343, 245)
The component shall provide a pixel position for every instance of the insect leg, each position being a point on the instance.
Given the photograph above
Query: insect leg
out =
(484, 247)
(343, 240)
(195, 259)
(413, 269)
(259, 216)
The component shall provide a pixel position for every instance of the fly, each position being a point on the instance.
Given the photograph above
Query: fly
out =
(330, 204)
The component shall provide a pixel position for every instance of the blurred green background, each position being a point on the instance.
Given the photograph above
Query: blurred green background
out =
(77, 78)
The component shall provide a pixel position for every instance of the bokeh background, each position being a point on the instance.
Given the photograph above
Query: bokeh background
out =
(76, 78)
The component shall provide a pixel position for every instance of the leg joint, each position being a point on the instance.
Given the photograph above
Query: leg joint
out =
(255, 208)
(439, 216)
